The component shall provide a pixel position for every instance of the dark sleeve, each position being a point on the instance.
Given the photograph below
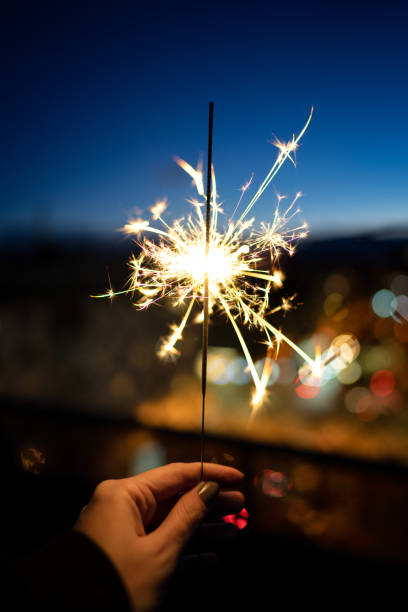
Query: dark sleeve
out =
(70, 573)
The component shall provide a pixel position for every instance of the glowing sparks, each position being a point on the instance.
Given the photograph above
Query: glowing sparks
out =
(286, 148)
(135, 226)
(158, 209)
(241, 266)
(196, 175)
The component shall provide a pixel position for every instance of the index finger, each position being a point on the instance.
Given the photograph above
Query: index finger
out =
(168, 480)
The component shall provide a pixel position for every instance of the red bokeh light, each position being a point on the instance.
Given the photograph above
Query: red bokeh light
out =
(307, 392)
(273, 484)
(240, 520)
(382, 383)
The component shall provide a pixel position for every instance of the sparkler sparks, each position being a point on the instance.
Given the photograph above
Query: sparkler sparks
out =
(240, 265)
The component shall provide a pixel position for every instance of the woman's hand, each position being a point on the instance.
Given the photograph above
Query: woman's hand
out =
(142, 523)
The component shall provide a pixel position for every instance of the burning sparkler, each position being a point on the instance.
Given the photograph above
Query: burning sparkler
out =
(232, 269)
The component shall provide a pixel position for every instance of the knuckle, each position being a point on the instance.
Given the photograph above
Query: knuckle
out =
(105, 489)
(144, 499)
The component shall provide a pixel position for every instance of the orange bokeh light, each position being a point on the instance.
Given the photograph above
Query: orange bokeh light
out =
(401, 331)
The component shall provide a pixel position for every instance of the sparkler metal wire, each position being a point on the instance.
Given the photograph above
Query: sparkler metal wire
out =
(204, 349)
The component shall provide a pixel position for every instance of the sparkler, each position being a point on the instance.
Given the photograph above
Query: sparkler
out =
(233, 269)
(204, 344)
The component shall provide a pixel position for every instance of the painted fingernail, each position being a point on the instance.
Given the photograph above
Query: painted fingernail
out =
(208, 491)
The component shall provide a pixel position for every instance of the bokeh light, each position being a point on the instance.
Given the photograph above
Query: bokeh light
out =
(399, 308)
(224, 366)
(342, 351)
(275, 371)
(238, 372)
(307, 391)
(148, 455)
(32, 460)
(217, 365)
(382, 383)
(334, 307)
(310, 521)
(376, 358)
(319, 400)
(399, 284)
(353, 397)
(350, 374)
(272, 483)
(381, 303)
(240, 520)
(368, 408)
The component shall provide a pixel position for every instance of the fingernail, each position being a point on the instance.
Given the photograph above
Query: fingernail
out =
(208, 491)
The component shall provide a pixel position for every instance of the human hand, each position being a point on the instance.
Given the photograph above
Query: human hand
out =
(142, 523)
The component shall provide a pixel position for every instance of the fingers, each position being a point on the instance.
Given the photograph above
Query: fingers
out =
(184, 518)
(227, 502)
(168, 480)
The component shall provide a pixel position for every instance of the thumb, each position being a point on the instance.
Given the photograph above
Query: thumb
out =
(186, 515)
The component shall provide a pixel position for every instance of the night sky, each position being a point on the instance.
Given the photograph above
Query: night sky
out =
(98, 97)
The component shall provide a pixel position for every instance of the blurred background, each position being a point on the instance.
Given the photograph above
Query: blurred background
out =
(97, 98)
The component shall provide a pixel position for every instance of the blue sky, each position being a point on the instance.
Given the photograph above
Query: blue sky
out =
(98, 97)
